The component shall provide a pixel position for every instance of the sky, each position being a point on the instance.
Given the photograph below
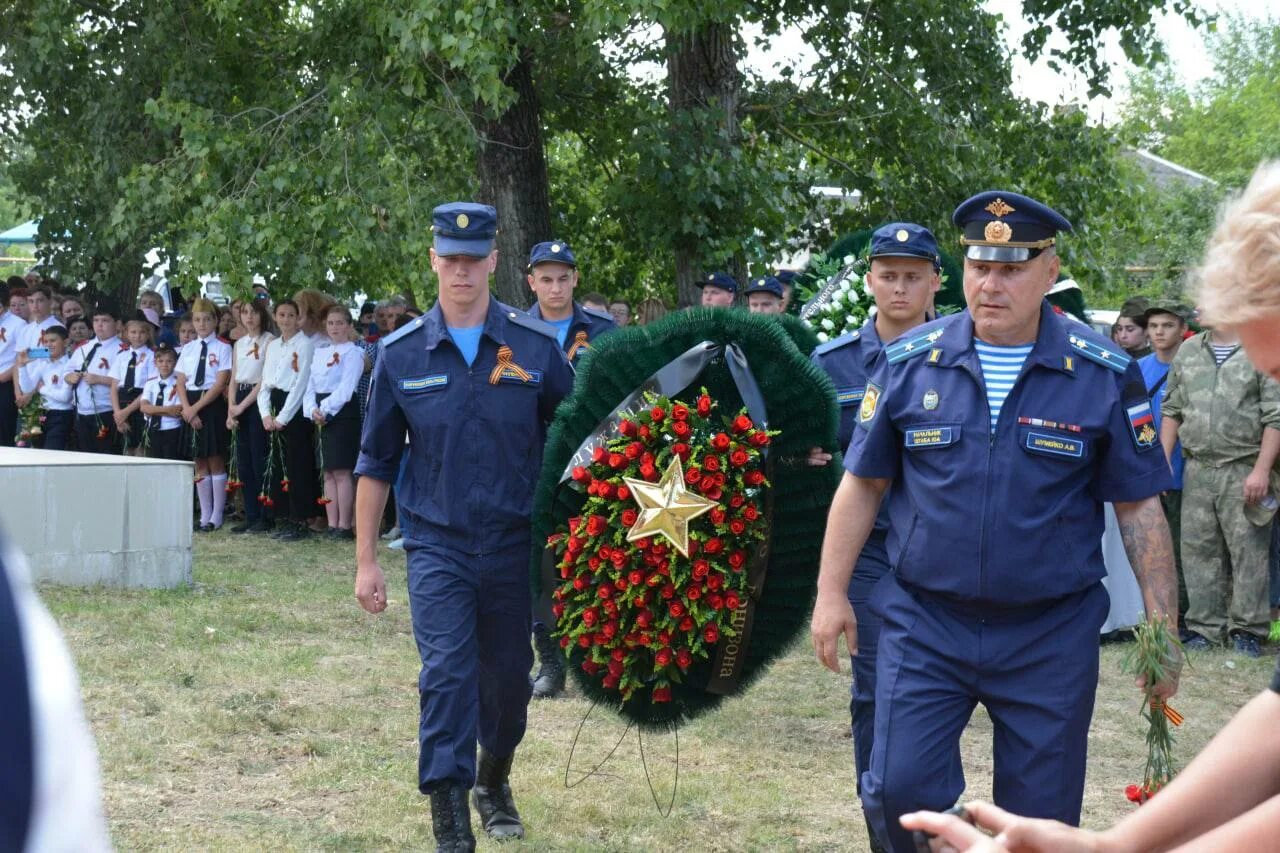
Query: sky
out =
(1038, 81)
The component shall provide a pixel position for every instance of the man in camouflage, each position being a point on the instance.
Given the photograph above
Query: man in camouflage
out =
(1227, 416)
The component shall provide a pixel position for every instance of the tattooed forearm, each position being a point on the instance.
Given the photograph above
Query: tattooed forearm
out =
(1149, 546)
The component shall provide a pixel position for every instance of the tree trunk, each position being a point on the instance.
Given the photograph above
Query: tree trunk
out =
(513, 178)
(703, 78)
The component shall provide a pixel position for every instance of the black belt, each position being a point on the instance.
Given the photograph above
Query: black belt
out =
(245, 387)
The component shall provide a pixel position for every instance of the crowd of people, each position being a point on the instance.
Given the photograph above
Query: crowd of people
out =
(267, 399)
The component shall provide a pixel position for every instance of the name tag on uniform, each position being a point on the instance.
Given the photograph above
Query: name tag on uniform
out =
(424, 383)
(1054, 445)
(924, 437)
(850, 396)
(510, 376)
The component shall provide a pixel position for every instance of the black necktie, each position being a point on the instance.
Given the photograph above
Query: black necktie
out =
(88, 359)
(155, 420)
(128, 374)
(204, 355)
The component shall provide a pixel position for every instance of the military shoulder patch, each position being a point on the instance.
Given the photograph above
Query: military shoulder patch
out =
(533, 323)
(870, 403)
(402, 332)
(912, 346)
(837, 343)
(1099, 354)
(1142, 425)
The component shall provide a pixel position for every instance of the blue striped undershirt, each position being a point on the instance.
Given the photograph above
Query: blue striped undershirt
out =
(1000, 368)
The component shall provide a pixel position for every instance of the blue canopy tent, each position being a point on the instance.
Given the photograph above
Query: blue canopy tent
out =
(24, 233)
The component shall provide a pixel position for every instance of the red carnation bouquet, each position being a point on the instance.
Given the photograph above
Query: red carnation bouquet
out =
(1154, 654)
(647, 589)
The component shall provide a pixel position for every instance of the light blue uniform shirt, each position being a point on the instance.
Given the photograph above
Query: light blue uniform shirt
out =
(467, 340)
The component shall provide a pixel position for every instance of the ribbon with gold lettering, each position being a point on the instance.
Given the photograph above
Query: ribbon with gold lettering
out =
(731, 652)
(506, 362)
(579, 343)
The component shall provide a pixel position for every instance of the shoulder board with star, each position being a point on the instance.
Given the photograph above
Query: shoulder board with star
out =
(597, 313)
(837, 343)
(912, 346)
(1099, 354)
(402, 332)
(540, 326)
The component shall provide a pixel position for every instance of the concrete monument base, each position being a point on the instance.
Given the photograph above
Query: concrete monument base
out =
(85, 519)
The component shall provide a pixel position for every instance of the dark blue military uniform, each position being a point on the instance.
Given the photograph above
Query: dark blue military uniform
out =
(849, 360)
(588, 324)
(475, 448)
(995, 548)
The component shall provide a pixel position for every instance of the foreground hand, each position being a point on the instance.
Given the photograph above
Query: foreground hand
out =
(232, 423)
(196, 422)
(833, 616)
(1255, 486)
(371, 587)
(1011, 832)
(818, 457)
(72, 378)
(122, 422)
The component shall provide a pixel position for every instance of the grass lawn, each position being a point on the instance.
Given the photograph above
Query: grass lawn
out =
(262, 709)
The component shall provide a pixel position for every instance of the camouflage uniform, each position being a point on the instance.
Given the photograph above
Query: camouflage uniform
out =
(1222, 412)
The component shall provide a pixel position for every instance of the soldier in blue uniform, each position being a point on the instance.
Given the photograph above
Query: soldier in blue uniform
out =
(553, 277)
(1002, 430)
(473, 384)
(903, 277)
(764, 295)
(719, 289)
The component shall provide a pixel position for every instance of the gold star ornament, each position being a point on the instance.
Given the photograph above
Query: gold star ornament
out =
(666, 507)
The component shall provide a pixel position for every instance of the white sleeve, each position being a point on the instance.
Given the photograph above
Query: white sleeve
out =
(306, 351)
(66, 809)
(268, 374)
(28, 377)
(352, 370)
(309, 404)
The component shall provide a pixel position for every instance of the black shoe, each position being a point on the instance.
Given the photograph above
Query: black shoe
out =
(296, 533)
(492, 798)
(451, 820)
(549, 682)
(344, 533)
(206, 528)
(262, 526)
(1246, 644)
(282, 528)
(1197, 643)
(243, 527)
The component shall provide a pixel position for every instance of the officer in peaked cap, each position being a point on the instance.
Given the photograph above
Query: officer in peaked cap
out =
(903, 279)
(1002, 430)
(472, 384)
(764, 295)
(718, 290)
(553, 277)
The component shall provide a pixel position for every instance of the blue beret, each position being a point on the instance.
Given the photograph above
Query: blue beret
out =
(555, 250)
(464, 228)
(768, 284)
(1006, 227)
(722, 280)
(905, 240)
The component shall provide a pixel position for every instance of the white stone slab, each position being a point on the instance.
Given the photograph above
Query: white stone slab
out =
(86, 519)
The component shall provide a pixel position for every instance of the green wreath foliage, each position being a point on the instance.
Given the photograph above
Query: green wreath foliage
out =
(801, 403)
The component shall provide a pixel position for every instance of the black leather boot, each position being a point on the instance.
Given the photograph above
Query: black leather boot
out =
(492, 798)
(549, 682)
(451, 820)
